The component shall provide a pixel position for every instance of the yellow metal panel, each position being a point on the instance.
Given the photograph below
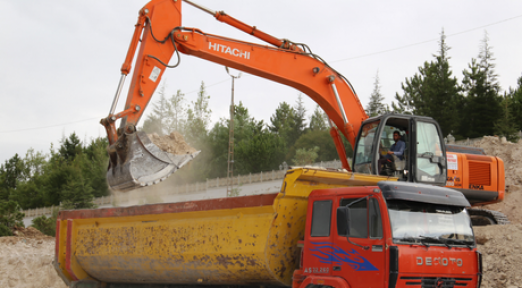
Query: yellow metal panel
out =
(62, 248)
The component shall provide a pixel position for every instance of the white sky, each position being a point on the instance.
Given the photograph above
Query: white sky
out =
(60, 59)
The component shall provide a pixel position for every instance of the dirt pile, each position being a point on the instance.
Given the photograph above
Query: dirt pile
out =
(511, 154)
(27, 261)
(500, 246)
(173, 143)
(30, 232)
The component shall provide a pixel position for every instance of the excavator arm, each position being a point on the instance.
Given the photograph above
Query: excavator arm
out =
(162, 36)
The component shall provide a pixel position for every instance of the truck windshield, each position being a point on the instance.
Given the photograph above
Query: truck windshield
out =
(430, 224)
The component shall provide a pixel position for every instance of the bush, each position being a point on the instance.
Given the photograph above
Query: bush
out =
(46, 225)
(5, 231)
(10, 214)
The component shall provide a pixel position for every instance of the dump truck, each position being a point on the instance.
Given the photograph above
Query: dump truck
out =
(317, 231)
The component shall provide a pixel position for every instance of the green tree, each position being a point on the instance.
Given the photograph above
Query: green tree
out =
(433, 92)
(305, 156)
(300, 116)
(46, 225)
(319, 120)
(94, 166)
(263, 152)
(482, 102)
(516, 105)
(376, 106)
(179, 112)
(198, 119)
(10, 215)
(283, 125)
(77, 193)
(506, 125)
(158, 120)
(316, 138)
(29, 192)
(70, 147)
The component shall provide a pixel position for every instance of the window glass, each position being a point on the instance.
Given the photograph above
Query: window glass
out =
(428, 150)
(415, 222)
(321, 215)
(364, 147)
(359, 218)
(375, 219)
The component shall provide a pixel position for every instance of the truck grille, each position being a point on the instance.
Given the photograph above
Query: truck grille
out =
(436, 282)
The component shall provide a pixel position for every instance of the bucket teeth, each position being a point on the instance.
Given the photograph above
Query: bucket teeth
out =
(137, 162)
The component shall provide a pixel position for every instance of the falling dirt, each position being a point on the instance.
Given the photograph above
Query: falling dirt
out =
(173, 143)
(26, 260)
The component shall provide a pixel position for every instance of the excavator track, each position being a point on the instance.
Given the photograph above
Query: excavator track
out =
(484, 217)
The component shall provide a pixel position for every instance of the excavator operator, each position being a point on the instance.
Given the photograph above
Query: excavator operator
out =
(396, 149)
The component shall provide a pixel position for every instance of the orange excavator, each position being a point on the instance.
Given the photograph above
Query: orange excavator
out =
(136, 162)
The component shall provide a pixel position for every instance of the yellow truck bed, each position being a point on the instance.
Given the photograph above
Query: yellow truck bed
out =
(249, 240)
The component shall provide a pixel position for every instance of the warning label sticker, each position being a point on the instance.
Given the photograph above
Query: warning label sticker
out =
(453, 164)
(154, 74)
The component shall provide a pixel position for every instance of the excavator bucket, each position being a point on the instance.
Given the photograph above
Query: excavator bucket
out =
(135, 161)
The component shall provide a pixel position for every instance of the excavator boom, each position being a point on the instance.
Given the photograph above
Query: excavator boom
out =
(161, 33)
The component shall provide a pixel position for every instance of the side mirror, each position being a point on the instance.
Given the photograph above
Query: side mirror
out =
(343, 221)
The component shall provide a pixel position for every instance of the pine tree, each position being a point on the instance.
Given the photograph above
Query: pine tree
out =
(433, 91)
(158, 121)
(482, 107)
(283, 124)
(506, 125)
(319, 120)
(300, 115)
(198, 119)
(516, 106)
(375, 106)
(177, 104)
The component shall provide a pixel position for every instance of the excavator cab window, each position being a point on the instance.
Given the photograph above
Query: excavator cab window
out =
(431, 159)
(398, 164)
(364, 148)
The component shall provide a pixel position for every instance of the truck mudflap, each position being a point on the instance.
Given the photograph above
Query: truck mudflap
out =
(248, 240)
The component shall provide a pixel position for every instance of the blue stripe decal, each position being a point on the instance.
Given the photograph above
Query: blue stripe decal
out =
(329, 253)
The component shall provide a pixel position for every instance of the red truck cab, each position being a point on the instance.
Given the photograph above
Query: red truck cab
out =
(395, 234)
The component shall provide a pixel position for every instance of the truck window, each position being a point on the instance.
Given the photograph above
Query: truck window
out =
(321, 215)
(359, 222)
(375, 219)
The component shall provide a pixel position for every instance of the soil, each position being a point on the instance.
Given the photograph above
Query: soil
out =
(26, 260)
(500, 246)
(173, 143)
(511, 154)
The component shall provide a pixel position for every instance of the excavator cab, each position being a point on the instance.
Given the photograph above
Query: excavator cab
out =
(423, 158)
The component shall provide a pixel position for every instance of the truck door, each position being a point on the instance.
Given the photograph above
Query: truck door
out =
(360, 258)
(318, 260)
